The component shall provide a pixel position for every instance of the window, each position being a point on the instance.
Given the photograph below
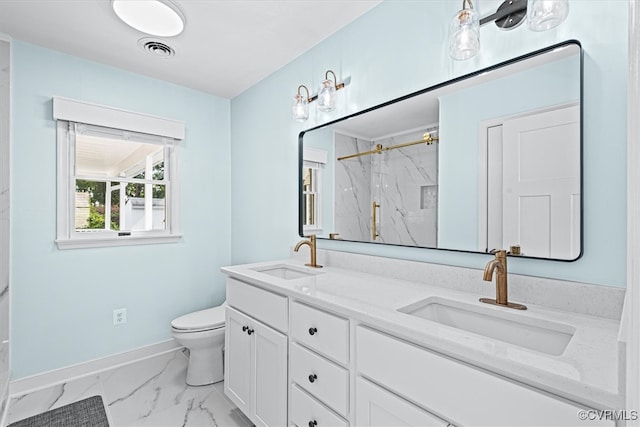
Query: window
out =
(116, 185)
(311, 195)
(314, 161)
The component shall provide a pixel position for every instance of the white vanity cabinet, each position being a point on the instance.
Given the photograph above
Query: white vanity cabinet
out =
(295, 360)
(462, 394)
(255, 377)
(318, 368)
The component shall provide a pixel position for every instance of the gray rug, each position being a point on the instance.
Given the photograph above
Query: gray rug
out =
(84, 413)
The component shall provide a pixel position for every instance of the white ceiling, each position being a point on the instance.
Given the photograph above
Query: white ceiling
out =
(226, 47)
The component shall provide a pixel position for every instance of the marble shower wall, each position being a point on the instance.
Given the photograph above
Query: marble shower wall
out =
(352, 189)
(403, 181)
(406, 187)
(4, 223)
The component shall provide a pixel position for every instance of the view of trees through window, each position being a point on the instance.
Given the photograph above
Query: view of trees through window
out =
(95, 194)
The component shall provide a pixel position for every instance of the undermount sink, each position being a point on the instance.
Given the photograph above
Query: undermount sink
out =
(283, 271)
(536, 334)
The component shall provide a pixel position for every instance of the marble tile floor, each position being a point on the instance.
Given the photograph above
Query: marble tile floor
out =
(150, 392)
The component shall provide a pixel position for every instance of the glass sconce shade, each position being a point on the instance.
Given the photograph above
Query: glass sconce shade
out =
(327, 96)
(543, 15)
(464, 35)
(300, 108)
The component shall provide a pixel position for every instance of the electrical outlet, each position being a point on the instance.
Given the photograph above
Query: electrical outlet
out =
(119, 316)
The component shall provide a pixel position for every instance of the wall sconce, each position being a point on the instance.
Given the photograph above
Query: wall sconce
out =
(301, 105)
(326, 97)
(464, 32)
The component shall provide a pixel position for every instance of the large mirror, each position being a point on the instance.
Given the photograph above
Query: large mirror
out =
(491, 160)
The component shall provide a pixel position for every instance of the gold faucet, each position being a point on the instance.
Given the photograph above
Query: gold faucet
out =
(312, 245)
(500, 264)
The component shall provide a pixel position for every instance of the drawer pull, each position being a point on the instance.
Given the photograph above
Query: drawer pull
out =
(313, 331)
(313, 423)
(313, 378)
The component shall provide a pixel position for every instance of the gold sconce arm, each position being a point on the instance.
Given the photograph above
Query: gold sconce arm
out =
(335, 80)
(306, 90)
(336, 85)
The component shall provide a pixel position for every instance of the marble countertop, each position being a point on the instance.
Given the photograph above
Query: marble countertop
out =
(586, 372)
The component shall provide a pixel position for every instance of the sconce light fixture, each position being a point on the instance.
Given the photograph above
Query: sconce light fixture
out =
(301, 105)
(326, 97)
(464, 32)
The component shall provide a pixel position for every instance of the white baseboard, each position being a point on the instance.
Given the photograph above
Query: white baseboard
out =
(62, 375)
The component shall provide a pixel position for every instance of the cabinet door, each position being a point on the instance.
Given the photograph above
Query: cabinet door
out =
(270, 376)
(238, 360)
(376, 407)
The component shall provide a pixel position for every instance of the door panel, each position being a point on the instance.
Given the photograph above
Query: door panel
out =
(541, 183)
(238, 349)
(270, 376)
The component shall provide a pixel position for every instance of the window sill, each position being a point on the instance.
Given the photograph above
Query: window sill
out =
(312, 230)
(116, 241)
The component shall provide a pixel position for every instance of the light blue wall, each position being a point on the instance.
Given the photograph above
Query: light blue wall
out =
(461, 114)
(62, 301)
(239, 161)
(400, 47)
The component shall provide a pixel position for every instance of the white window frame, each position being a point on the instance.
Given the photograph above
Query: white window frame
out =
(170, 132)
(315, 159)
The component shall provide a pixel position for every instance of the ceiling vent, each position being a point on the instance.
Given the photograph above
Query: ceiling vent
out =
(156, 48)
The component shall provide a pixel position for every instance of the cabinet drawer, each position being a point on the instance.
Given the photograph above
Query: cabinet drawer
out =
(306, 411)
(326, 333)
(320, 377)
(378, 407)
(467, 395)
(263, 305)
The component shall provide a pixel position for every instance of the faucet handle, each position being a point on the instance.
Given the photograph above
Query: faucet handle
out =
(498, 252)
(514, 250)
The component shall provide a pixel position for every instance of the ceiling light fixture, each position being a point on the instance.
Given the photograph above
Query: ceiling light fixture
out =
(160, 18)
(464, 32)
(326, 97)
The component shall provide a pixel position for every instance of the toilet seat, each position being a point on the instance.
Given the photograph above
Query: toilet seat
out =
(198, 321)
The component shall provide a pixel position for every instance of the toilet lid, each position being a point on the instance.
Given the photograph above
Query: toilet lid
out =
(209, 318)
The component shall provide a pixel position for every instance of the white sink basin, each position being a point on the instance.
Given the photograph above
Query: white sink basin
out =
(535, 334)
(283, 271)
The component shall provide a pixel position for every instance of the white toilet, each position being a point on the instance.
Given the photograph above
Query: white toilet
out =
(202, 332)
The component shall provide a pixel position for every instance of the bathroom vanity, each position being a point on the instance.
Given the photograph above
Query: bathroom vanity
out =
(338, 347)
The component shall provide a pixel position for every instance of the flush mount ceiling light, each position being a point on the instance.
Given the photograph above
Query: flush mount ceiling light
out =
(464, 32)
(160, 18)
(326, 97)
